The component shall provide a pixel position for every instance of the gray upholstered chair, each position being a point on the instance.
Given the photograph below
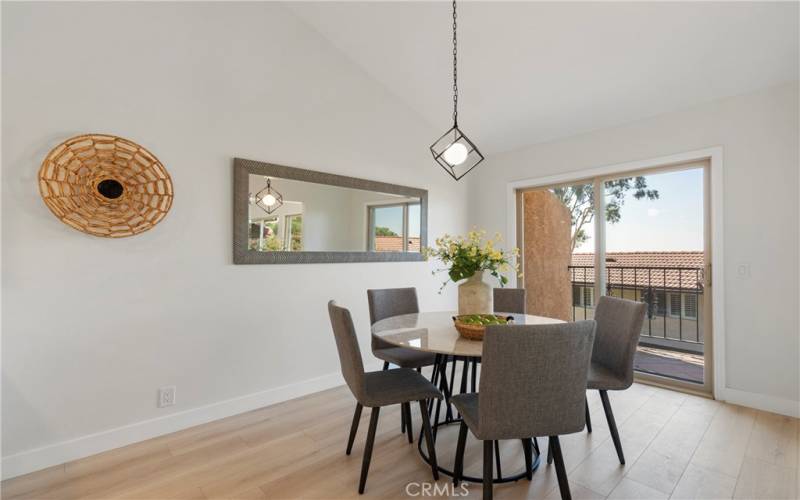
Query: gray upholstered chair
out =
(521, 398)
(509, 300)
(619, 323)
(376, 389)
(390, 302)
(385, 303)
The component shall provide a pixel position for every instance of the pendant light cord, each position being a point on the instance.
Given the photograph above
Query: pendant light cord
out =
(455, 68)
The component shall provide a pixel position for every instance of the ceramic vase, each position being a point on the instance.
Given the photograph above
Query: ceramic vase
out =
(475, 296)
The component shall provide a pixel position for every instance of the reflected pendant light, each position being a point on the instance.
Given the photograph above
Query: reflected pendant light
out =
(268, 199)
(453, 150)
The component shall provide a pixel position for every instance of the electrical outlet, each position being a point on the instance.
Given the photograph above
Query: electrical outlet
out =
(166, 396)
(743, 271)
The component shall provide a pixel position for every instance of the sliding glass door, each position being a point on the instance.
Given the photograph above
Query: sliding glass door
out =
(650, 244)
(654, 249)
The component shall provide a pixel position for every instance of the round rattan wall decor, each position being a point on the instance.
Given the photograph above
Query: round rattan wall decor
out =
(105, 186)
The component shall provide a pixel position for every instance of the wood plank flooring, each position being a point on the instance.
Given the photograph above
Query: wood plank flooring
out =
(676, 445)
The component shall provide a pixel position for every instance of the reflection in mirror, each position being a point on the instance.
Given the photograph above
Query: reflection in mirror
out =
(394, 227)
(322, 217)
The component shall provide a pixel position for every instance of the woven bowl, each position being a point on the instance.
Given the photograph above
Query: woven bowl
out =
(473, 332)
(105, 186)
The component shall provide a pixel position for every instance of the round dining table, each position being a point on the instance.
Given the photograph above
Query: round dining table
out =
(435, 332)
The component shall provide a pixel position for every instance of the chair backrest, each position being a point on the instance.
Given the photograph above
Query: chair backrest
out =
(533, 379)
(388, 302)
(509, 300)
(349, 353)
(619, 323)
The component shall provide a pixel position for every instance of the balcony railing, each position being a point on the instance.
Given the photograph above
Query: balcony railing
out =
(674, 296)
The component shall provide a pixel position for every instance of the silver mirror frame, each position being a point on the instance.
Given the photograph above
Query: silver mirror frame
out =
(242, 169)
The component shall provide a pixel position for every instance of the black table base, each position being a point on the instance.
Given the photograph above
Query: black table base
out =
(444, 409)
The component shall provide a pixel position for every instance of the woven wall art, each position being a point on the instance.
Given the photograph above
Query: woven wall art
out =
(105, 185)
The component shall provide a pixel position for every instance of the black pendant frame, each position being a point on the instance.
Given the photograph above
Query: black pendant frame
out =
(452, 136)
(269, 190)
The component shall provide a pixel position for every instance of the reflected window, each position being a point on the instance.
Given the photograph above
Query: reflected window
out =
(394, 228)
(263, 234)
(413, 236)
(294, 233)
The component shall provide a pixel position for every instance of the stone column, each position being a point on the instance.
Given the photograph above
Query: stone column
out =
(547, 231)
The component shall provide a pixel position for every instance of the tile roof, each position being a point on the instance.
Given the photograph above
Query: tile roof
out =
(395, 244)
(671, 270)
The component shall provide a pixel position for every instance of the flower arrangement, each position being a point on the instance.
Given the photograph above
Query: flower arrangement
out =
(465, 256)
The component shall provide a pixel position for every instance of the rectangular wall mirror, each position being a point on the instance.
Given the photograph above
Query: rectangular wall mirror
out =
(285, 215)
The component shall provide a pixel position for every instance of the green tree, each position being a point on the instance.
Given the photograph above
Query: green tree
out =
(579, 199)
(384, 231)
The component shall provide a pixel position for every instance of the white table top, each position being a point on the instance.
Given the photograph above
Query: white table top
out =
(434, 332)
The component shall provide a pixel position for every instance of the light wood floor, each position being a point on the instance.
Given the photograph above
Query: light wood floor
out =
(676, 446)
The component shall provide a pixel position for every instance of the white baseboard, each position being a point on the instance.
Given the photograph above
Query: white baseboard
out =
(761, 402)
(65, 451)
(84, 446)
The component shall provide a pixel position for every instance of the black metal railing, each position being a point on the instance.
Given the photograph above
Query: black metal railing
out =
(674, 296)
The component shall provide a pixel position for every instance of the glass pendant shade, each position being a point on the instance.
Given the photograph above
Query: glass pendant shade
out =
(456, 153)
(268, 199)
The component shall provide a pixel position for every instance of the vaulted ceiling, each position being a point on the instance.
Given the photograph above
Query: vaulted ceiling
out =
(531, 72)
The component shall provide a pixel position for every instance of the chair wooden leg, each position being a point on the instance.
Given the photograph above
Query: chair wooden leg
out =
(464, 376)
(497, 459)
(373, 425)
(561, 471)
(488, 475)
(434, 380)
(354, 427)
(612, 425)
(588, 418)
(458, 469)
(549, 451)
(406, 407)
(426, 428)
(536, 447)
(527, 448)
(443, 387)
(474, 381)
(385, 365)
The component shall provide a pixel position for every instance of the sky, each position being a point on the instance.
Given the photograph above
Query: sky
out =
(672, 222)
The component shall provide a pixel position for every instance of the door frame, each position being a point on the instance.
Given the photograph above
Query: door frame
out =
(714, 247)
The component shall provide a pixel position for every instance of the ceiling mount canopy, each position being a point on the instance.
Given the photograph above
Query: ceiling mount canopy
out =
(454, 151)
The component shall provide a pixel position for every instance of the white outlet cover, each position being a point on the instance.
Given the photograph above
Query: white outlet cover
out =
(743, 271)
(166, 396)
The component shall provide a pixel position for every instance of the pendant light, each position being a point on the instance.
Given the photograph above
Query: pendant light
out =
(453, 150)
(268, 199)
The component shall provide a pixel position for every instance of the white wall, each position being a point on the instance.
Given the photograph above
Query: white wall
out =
(759, 135)
(92, 327)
